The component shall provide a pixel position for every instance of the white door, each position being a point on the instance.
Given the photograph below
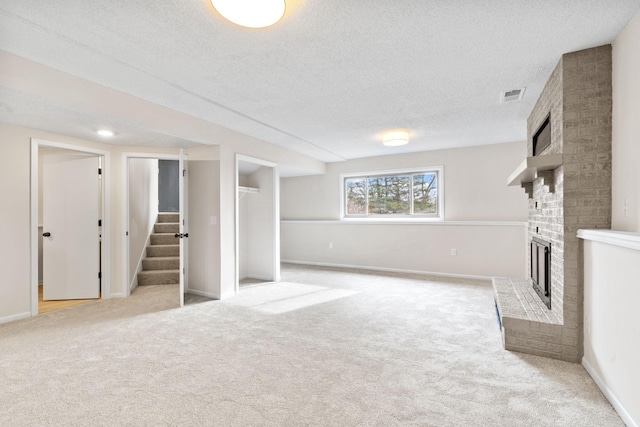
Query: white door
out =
(70, 214)
(183, 223)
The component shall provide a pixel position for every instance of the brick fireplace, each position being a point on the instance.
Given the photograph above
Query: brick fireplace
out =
(569, 187)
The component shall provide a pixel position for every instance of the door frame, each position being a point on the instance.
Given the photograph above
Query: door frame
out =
(105, 281)
(126, 156)
(276, 215)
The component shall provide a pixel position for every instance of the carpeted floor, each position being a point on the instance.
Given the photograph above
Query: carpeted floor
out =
(322, 348)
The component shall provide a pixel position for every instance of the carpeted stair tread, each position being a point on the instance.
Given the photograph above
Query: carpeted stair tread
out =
(164, 239)
(163, 251)
(161, 263)
(168, 217)
(159, 277)
(166, 227)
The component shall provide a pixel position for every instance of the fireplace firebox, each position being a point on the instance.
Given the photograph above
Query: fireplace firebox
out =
(541, 269)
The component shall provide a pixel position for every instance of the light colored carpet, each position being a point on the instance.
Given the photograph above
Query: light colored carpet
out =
(322, 348)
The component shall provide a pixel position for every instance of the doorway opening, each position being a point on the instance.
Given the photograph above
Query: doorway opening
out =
(153, 217)
(69, 224)
(257, 222)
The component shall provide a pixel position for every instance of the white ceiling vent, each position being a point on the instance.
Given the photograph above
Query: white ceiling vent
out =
(512, 95)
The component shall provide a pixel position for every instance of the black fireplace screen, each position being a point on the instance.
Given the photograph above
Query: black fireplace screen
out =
(541, 269)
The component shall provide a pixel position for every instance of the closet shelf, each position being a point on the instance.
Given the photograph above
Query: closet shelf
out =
(242, 191)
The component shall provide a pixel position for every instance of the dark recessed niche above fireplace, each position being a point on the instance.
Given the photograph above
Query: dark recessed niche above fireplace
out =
(542, 138)
(541, 269)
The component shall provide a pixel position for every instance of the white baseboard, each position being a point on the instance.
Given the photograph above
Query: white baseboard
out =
(388, 270)
(15, 317)
(115, 295)
(626, 418)
(203, 294)
(258, 277)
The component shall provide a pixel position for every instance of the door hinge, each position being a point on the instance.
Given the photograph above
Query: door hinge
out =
(184, 172)
(99, 171)
(99, 275)
(126, 233)
(99, 223)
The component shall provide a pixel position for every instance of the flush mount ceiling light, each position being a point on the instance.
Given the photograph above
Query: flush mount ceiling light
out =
(251, 13)
(395, 138)
(105, 133)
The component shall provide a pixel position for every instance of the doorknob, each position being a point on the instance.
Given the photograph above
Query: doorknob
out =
(47, 234)
(181, 235)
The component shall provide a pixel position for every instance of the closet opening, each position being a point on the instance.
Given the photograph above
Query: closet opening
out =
(257, 222)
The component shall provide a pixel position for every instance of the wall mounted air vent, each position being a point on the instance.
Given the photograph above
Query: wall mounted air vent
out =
(512, 95)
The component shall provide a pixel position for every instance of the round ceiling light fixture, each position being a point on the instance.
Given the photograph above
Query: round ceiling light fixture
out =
(395, 138)
(251, 13)
(105, 133)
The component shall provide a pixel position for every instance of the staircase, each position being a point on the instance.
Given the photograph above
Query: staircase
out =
(162, 264)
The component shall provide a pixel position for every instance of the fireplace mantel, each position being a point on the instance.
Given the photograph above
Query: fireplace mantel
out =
(528, 170)
(535, 167)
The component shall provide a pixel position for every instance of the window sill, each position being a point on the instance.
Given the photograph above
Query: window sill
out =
(396, 221)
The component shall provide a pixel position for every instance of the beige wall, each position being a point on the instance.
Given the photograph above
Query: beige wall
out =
(482, 250)
(203, 261)
(475, 180)
(143, 209)
(243, 236)
(491, 243)
(15, 296)
(626, 128)
(260, 225)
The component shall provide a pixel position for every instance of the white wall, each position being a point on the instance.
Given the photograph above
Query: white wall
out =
(612, 324)
(143, 208)
(203, 180)
(243, 237)
(260, 225)
(626, 128)
(612, 284)
(15, 296)
(475, 191)
(482, 250)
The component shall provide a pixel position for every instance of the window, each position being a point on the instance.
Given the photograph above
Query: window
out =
(399, 194)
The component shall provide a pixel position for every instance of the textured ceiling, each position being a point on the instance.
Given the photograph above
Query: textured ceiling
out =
(325, 81)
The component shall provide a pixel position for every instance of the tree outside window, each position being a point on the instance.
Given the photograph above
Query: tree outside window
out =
(403, 194)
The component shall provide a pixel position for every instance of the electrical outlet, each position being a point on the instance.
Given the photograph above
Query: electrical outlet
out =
(330, 245)
(454, 252)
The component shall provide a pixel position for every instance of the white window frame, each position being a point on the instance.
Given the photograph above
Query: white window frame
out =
(439, 216)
